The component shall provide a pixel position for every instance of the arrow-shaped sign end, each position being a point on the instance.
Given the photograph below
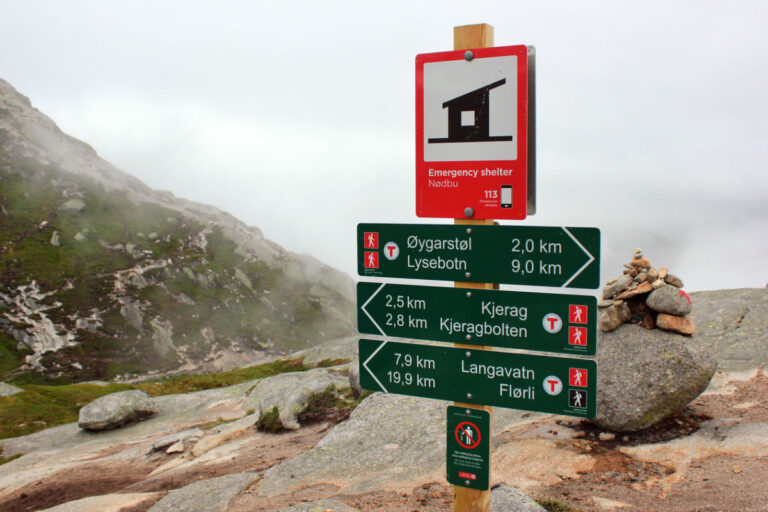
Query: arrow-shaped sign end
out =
(368, 314)
(590, 259)
(365, 365)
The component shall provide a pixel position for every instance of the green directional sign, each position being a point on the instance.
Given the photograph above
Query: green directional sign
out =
(468, 447)
(545, 322)
(528, 255)
(558, 385)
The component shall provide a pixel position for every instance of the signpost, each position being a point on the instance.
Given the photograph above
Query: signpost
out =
(557, 385)
(475, 161)
(474, 123)
(519, 320)
(528, 255)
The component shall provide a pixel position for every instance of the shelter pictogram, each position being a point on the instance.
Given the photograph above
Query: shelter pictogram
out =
(469, 115)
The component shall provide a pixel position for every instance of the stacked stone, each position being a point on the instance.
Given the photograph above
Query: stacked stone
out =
(646, 296)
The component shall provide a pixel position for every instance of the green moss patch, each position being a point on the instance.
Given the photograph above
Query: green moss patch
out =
(553, 505)
(328, 406)
(190, 383)
(328, 363)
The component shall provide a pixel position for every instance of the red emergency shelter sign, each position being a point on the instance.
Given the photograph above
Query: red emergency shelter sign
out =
(474, 133)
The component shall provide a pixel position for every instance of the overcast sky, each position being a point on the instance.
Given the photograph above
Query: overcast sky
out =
(298, 117)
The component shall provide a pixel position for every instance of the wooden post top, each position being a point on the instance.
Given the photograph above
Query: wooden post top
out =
(472, 36)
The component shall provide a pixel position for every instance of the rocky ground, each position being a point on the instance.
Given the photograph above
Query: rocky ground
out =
(389, 454)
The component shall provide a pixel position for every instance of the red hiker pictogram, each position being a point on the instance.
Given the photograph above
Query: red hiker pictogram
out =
(371, 260)
(371, 240)
(578, 377)
(577, 336)
(577, 314)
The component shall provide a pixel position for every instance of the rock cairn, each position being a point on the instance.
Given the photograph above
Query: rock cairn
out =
(646, 296)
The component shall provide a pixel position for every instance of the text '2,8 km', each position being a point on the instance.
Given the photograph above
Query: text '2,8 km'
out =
(530, 321)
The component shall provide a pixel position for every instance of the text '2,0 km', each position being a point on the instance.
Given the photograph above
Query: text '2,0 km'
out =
(526, 255)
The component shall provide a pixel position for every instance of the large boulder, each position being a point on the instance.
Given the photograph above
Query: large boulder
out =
(288, 394)
(387, 438)
(389, 442)
(115, 410)
(646, 375)
(733, 324)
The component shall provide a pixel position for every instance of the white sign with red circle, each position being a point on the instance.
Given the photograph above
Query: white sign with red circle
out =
(391, 251)
(553, 385)
(552, 322)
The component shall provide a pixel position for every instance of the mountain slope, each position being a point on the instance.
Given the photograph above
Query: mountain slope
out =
(100, 275)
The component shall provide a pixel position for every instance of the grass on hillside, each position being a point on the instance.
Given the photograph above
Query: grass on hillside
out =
(198, 382)
(39, 406)
(10, 355)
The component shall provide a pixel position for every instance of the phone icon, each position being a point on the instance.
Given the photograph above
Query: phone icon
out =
(506, 196)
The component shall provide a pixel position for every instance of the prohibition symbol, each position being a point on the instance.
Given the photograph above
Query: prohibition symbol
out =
(467, 435)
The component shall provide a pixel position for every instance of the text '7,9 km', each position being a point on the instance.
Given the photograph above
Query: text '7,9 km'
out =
(544, 322)
(526, 255)
(557, 385)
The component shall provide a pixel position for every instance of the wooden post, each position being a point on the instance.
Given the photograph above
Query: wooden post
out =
(465, 499)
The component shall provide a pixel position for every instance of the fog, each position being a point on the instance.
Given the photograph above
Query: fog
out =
(298, 118)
